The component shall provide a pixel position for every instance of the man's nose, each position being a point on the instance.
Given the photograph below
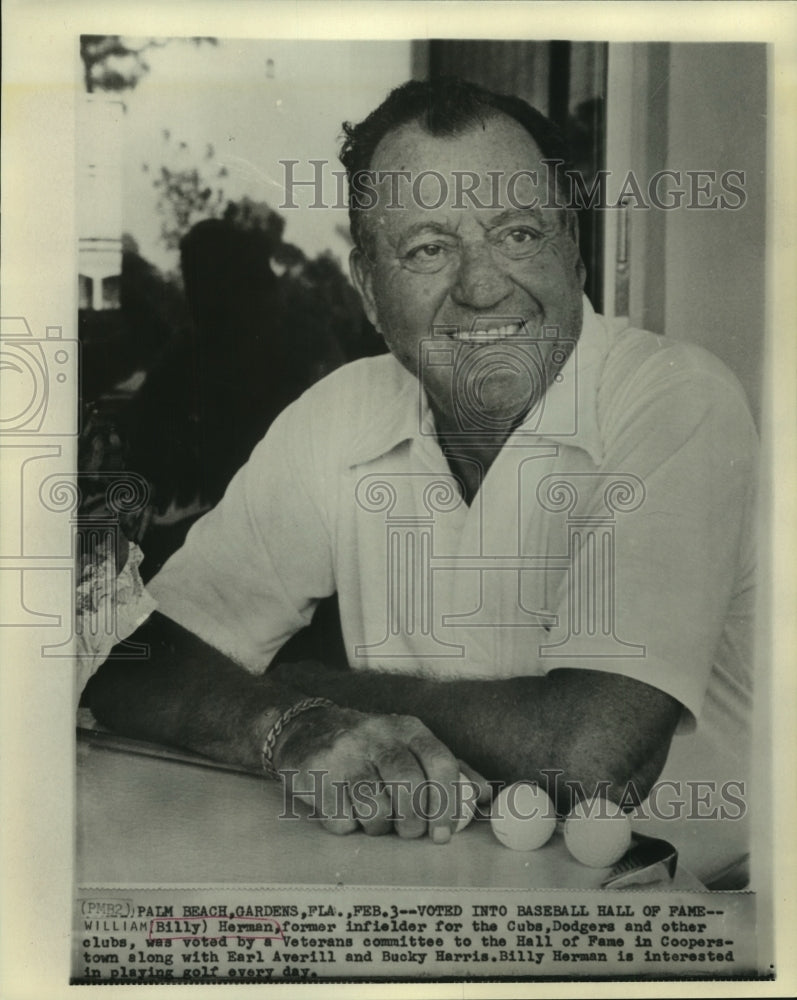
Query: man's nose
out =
(480, 281)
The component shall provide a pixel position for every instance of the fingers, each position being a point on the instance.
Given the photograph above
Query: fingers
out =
(340, 824)
(404, 778)
(383, 773)
(484, 790)
(336, 811)
(371, 803)
(442, 773)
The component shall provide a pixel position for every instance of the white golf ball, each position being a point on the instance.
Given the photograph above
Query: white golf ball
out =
(523, 817)
(597, 833)
(465, 803)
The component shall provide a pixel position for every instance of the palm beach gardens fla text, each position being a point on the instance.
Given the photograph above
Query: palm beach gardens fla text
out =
(280, 941)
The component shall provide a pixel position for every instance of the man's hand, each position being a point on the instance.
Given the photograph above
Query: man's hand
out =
(381, 772)
(575, 732)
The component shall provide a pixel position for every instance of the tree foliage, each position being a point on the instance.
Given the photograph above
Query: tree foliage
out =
(188, 193)
(117, 62)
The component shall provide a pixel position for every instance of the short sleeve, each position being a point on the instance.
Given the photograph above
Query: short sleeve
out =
(252, 570)
(671, 567)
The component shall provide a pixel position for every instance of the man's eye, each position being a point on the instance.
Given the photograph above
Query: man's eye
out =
(429, 250)
(520, 242)
(427, 257)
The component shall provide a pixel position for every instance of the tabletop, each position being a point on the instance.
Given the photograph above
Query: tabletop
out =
(148, 815)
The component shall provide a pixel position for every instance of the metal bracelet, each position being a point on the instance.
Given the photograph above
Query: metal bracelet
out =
(273, 734)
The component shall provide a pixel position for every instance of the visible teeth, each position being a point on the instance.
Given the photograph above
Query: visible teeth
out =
(494, 333)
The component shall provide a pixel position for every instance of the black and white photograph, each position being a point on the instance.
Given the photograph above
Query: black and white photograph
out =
(396, 505)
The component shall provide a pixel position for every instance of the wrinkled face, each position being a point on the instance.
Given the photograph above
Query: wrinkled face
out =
(478, 296)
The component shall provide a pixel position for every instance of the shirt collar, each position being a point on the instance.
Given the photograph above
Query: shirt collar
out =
(405, 413)
(568, 414)
(569, 411)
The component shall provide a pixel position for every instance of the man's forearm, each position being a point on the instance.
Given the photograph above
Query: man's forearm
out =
(187, 694)
(569, 724)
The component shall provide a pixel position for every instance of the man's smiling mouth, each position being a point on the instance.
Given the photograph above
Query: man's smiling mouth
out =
(486, 334)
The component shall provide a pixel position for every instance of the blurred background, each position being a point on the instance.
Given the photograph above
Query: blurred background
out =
(207, 303)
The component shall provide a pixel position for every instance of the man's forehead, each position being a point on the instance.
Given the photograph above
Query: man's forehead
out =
(496, 139)
(491, 171)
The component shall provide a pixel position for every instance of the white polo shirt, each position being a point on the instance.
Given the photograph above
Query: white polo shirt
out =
(614, 531)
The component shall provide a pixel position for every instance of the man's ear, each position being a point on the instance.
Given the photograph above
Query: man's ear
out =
(360, 268)
(571, 223)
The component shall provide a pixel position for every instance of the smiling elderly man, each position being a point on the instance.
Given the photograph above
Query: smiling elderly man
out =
(538, 524)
